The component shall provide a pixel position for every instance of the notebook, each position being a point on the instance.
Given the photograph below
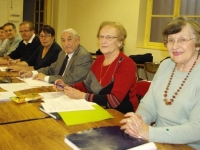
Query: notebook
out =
(103, 138)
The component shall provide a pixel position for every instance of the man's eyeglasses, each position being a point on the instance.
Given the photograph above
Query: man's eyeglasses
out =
(45, 36)
(108, 37)
(25, 31)
(180, 41)
(9, 30)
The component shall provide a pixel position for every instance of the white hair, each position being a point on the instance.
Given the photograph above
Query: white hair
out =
(74, 32)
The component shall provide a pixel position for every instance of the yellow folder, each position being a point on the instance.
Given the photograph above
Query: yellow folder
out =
(84, 116)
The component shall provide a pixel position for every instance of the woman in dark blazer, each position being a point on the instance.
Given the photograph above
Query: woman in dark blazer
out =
(44, 55)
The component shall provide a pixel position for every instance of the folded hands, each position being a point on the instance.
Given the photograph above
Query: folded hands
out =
(135, 126)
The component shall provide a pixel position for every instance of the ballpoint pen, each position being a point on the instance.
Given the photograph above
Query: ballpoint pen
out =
(60, 85)
(34, 101)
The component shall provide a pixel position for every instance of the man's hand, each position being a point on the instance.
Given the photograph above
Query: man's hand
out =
(15, 68)
(39, 76)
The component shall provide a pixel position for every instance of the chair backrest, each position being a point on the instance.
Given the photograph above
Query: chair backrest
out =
(150, 67)
(141, 88)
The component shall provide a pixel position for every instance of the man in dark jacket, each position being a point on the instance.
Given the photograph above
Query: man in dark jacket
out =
(26, 47)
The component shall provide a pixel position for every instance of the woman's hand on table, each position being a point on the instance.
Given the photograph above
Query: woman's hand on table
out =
(135, 126)
(59, 85)
(74, 93)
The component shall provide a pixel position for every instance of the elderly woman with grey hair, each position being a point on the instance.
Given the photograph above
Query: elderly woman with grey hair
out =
(173, 99)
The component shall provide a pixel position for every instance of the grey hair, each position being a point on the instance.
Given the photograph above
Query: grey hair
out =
(74, 32)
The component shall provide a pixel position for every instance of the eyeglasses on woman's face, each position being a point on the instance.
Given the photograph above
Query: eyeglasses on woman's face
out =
(107, 37)
(180, 41)
(45, 36)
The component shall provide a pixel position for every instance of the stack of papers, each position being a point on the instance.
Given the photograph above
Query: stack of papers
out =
(72, 111)
(63, 106)
(5, 96)
(12, 87)
(59, 102)
(34, 83)
(54, 96)
(29, 83)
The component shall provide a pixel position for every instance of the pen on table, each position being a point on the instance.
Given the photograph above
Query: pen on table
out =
(60, 85)
(34, 101)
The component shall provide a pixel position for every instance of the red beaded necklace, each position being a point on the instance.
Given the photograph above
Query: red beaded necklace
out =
(167, 102)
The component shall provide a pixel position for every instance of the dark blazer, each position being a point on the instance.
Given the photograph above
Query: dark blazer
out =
(77, 69)
(23, 51)
(51, 56)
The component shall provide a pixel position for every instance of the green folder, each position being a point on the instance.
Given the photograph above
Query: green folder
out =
(84, 116)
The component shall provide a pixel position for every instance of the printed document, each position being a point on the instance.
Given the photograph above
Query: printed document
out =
(35, 83)
(12, 87)
(71, 105)
(5, 96)
(54, 96)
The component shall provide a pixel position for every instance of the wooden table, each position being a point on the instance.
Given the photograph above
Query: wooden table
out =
(10, 73)
(12, 76)
(24, 126)
(13, 112)
(48, 134)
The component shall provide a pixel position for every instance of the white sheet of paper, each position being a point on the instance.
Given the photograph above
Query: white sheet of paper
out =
(54, 96)
(35, 83)
(147, 146)
(3, 68)
(72, 105)
(5, 96)
(11, 87)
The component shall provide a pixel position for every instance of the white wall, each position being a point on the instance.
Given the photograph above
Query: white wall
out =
(11, 7)
(58, 17)
(86, 15)
(4, 12)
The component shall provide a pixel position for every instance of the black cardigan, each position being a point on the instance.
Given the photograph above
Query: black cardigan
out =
(23, 51)
(51, 56)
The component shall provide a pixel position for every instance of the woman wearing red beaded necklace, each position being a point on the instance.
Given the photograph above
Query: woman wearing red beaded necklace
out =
(173, 99)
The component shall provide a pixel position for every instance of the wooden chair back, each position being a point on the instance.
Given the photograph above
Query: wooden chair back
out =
(150, 67)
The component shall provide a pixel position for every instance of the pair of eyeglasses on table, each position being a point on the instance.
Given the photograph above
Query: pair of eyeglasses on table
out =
(7, 75)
